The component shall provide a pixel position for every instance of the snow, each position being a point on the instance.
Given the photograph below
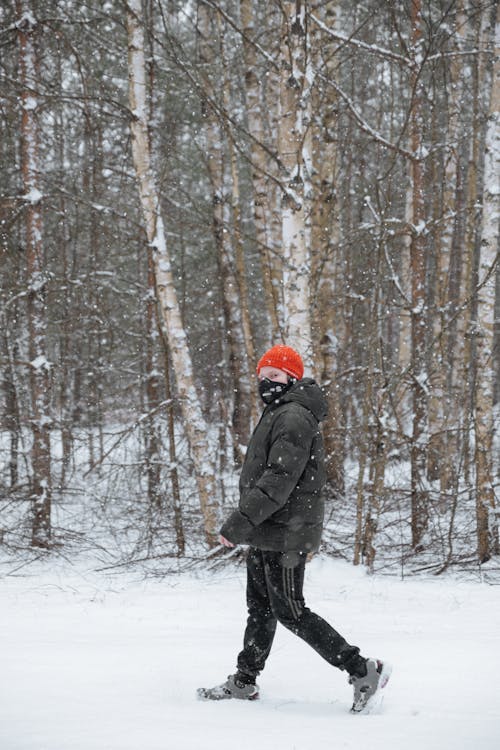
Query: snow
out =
(27, 20)
(92, 661)
(374, 48)
(420, 228)
(30, 103)
(40, 363)
(33, 196)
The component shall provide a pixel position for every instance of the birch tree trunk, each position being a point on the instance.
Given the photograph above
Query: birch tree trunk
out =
(404, 268)
(275, 234)
(419, 375)
(169, 311)
(487, 531)
(151, 377)
(472, 239)
(153, 443)
(36, 280)
(496, 363)
(294, 124)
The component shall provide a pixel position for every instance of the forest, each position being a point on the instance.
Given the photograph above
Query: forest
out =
(185, 183)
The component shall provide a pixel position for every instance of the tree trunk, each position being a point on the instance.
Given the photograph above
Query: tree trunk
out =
(259, 163)
(174, 474)
(248, 393)
(169, 312)
(294, 124)
(153, 447)
(487, 531)
(11, 417)
(325, 252)
(209, 31)
(419, 375)
(151, 374)
(36, 279)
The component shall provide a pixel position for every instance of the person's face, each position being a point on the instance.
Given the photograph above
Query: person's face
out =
(274, 374)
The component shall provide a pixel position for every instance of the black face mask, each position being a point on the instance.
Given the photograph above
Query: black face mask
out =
(270, 390)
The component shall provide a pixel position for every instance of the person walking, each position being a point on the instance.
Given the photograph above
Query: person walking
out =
(280, 518)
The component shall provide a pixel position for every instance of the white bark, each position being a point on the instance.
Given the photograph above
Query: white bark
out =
(490, 249)
(295, 156)
(169, 310)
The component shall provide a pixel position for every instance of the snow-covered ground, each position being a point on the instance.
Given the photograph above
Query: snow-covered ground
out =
(91, 662)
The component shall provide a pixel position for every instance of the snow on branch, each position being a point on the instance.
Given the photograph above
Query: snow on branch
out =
(459, 53)
(395, 278)
(26, 22)
(363, 124)
(374, 48)
(33, 196)
(41, 363)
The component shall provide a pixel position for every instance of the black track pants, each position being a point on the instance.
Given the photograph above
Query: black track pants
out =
(274, 594)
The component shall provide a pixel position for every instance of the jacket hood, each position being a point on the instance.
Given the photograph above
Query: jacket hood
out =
(308, 393)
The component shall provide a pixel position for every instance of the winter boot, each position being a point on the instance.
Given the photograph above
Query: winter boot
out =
(232, 688)
(367, 689)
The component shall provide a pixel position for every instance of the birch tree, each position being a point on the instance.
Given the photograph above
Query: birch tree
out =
(169, 312)
(295, 156)
(153, 445)
(419, 374)
(487, 524)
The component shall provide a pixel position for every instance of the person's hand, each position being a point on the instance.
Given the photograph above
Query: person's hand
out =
(225, 542)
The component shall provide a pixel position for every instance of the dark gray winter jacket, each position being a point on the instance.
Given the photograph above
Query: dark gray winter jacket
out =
(281, 505)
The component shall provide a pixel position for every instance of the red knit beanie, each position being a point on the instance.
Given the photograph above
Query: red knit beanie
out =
(284, 358)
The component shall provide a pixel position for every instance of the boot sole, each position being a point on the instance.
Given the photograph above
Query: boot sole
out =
(375, 701)
(205, 694)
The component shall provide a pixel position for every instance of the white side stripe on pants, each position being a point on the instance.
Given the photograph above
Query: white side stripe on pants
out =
(289, 589)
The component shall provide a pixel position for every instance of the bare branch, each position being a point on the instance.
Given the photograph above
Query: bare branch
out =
(373, 48)
(365, 127)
